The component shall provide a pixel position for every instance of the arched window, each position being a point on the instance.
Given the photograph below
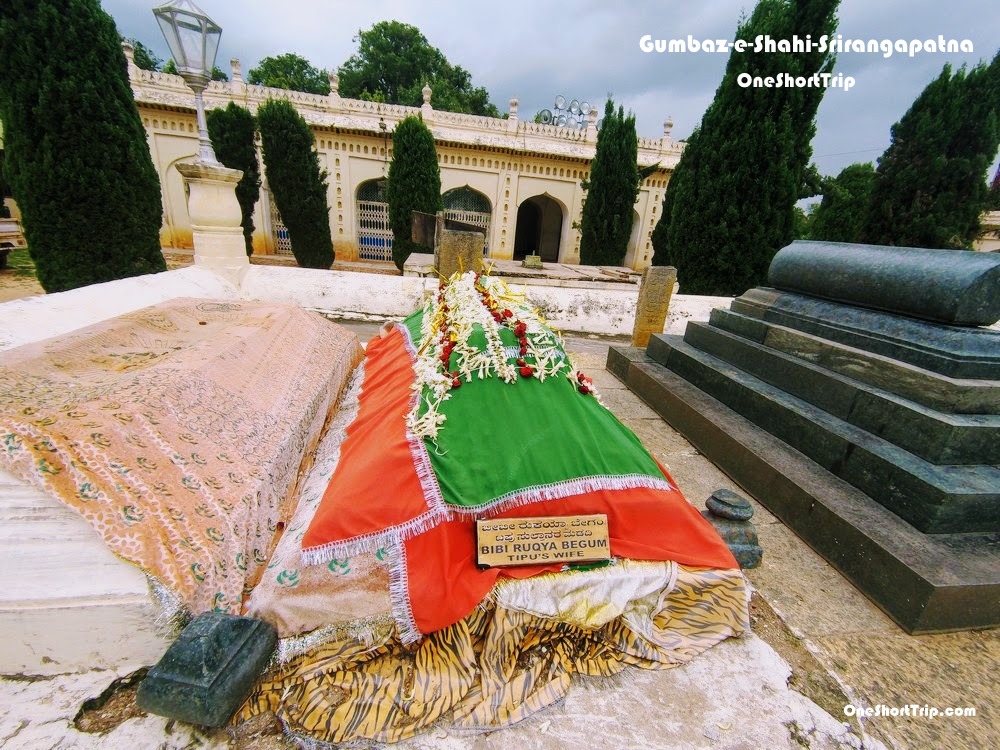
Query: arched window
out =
(373, 230)
(469, 207)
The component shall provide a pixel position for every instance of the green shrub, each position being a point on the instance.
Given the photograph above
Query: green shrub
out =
(414, 184)
(845, 199)
(232, 132)
(297, 183)
(611, 191)
(729, 205)
(76, 153)
(930, 184)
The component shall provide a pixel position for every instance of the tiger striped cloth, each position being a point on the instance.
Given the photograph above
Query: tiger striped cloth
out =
(492, 669)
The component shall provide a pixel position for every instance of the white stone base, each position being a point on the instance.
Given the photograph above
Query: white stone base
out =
(67, 604)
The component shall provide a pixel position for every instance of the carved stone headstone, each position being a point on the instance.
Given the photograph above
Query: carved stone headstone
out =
(655, 291)
(424, 228)
(209, 670)
(459, 251)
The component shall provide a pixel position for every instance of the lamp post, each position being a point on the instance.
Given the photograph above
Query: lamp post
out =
(193, 39)
(215, 214)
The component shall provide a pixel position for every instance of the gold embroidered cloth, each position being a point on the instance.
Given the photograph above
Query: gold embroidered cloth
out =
(178, 432)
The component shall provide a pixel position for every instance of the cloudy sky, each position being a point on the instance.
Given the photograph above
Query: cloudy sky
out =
(586, 49)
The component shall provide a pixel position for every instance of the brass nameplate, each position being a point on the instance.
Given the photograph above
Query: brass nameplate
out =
(503, 542)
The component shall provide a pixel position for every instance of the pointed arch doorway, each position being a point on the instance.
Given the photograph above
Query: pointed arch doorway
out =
(539, 228)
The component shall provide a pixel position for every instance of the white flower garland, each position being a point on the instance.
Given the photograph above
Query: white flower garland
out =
(447, 358)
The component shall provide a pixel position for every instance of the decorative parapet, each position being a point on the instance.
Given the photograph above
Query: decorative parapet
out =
(165, 90)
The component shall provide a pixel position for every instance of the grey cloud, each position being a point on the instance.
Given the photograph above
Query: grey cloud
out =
(535, 49)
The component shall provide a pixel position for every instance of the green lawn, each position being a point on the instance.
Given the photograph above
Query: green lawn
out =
(20, 262)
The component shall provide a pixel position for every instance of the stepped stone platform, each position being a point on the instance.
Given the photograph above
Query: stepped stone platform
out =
(874, 435)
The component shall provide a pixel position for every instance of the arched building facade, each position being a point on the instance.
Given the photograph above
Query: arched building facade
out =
(517, 180)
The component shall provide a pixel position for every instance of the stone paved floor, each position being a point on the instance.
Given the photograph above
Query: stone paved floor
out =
(873, 659)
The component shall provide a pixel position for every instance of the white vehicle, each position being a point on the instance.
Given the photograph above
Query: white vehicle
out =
(11, 238)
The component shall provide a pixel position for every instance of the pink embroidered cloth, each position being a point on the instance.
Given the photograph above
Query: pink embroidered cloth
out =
(178, 432)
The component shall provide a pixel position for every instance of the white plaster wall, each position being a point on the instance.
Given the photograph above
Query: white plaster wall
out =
(606, 310)
(53, 619)
(345, 294)
(35, 318)
(691, 307)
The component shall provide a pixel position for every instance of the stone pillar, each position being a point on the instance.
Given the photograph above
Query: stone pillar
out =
(133, 69)
(592, 125)
(334, 90)
(654, 300)
(426, 110)
(666, 141)
(215, 219)
(459, 251)
(237, 86)
(512, 116)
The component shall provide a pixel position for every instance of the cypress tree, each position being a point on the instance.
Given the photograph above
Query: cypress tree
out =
(297, 183)
(232, 132)
(930, 185)
(611, 191)
(414, 184)
(76, 151)
(845, 199)
(729, 203)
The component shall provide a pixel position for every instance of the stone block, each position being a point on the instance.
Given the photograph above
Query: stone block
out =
(944, 349)
(946, 286)
(655, 290)
(725, 503)
(935, 499)
(730, 515)
(925, 583)
(459, 252)
(740, 537)
(420, 265)
(209, 670)
(819, 387)
(936, 436)
(930, 388)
